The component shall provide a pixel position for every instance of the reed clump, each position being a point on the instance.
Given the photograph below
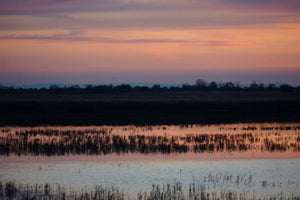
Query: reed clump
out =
(51, 141)
(175, 191)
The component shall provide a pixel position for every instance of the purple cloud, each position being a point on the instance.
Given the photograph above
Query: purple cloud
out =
(34, 5)
(29, 6)
(76, 36)
(194, 14)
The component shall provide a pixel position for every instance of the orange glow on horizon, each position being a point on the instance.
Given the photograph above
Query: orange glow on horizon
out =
(189, 36)
(230, 49)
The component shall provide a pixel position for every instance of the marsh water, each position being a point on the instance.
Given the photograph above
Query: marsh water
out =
(249, 160)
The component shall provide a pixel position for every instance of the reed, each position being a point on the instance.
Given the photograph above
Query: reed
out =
(175, 191)
(52, 141)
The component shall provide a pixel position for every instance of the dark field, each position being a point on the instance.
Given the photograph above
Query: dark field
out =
(33, 109)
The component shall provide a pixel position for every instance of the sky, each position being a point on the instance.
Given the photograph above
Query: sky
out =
(150, 41)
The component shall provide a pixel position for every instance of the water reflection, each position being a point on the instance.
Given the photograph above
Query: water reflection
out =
(151, 162)
(249, 178)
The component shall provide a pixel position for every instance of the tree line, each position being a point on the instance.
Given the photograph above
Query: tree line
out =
(199, 85)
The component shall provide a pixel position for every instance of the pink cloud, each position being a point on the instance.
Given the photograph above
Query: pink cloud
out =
(76, 36)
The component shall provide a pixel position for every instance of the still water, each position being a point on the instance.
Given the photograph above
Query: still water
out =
(262, 176)
(256, 170)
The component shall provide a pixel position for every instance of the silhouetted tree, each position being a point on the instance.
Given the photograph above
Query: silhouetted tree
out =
(237, 85)
(253, 85)
(200, 83)
(156, 87)
(54, 87)
(123, 88)
(286, 88)
(213, 85)
(271, 86)
(186, 86)
(229, 85)
(261, 86)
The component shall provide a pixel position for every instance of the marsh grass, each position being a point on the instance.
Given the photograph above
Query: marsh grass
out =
(53, 141)
(175, 191)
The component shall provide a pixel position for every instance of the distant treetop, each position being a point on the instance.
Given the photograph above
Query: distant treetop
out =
(200, 85)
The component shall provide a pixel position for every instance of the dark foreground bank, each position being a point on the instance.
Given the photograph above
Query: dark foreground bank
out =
(148, 108)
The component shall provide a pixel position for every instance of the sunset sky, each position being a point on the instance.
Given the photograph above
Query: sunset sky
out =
(157, 41)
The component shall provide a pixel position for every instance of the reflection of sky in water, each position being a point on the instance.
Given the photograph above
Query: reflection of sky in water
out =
(134, 172)
(140, 175)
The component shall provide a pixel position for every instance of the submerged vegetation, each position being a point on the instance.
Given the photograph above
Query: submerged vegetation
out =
(55, 141)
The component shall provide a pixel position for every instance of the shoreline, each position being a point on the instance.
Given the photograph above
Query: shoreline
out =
(136, 157)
